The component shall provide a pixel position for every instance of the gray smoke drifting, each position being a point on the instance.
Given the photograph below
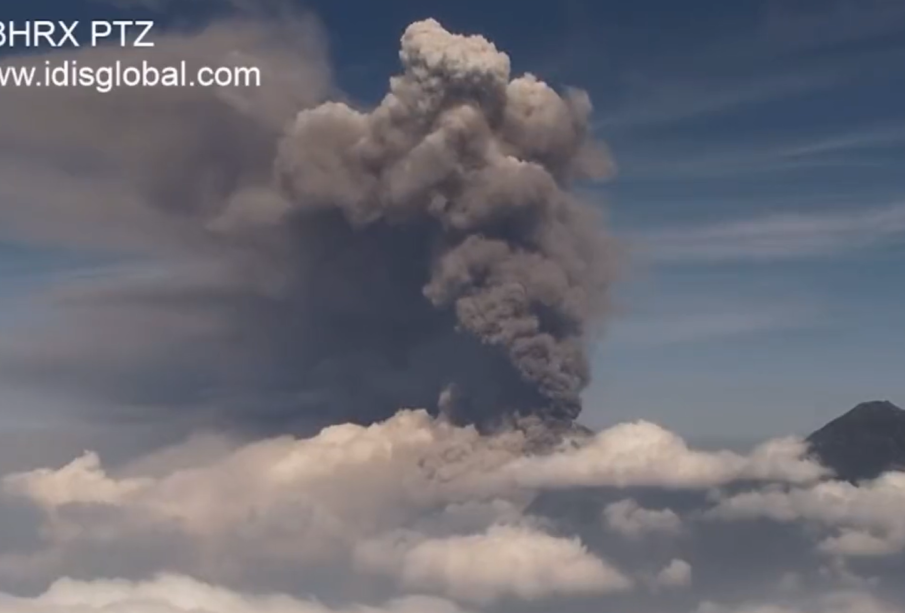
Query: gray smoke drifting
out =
(424, 254)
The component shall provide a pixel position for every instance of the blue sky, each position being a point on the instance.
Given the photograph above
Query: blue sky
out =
(760, 191)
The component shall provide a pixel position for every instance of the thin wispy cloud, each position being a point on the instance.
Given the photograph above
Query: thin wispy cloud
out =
(711, 326)
(883, 135)
(670, 94)
(732, 163)
(789, 52)
(775, 237)
(660, 100)
(836, 22)
(870, 145)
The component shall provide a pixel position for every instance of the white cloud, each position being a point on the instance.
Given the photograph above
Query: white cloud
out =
(351, 482)
(644, 454)
(855, 543)
(627, 518)
(324, 501)
(676, 574)
(868, 516)
(81, 481)
(414, 501)
(505, 561)
(179, 594)
(304, 500)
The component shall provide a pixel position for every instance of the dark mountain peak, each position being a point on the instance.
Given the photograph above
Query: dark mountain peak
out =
(875, 409)
(864, 443)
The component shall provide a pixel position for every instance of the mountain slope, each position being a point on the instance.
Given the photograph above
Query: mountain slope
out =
(863, 443)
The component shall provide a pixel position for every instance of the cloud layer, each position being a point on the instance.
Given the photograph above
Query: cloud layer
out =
(417, 505)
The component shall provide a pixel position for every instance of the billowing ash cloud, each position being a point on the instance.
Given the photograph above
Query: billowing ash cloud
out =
(427, 253)
(448, 204)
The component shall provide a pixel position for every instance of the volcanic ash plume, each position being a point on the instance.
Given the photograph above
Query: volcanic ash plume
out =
(452, 192)
(424, 255)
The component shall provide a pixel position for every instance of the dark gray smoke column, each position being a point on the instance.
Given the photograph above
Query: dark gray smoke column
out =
(322, 268)
(438, 227)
